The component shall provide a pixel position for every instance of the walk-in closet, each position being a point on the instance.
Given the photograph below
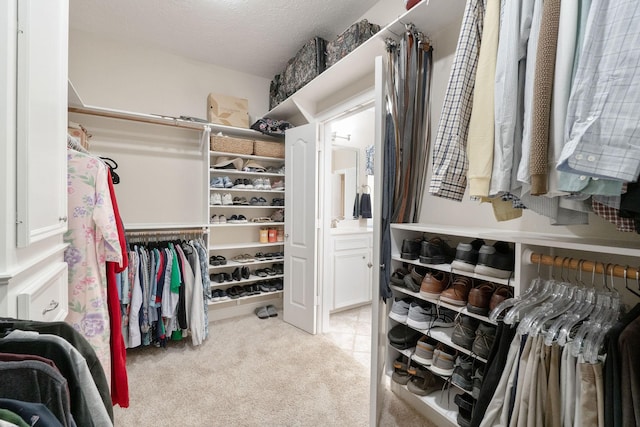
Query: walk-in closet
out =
(363, 213)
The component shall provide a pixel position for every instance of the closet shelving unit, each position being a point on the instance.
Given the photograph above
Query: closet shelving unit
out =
(537, 255)
(233, 239)
(144, 133)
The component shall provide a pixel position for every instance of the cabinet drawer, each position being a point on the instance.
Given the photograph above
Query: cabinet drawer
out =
(344, 244)
(46, 298)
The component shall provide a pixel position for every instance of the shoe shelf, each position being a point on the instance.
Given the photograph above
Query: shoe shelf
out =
(250, 245)
(440, 401)
(246, 156)
(447, 268)
(245, 207)
(241, 300)
(409, 352)
(245, 224)
(245, 190)
(231, 263)
(237, 172)
(444, 336)
(252, 279)
(459, 309)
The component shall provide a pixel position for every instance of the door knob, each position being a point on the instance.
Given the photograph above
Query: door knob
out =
(369, 265)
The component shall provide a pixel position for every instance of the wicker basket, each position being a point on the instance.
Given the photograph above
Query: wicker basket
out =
(268, 149)
(229, 144)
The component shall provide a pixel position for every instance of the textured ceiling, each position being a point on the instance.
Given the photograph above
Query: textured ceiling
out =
(253, 36)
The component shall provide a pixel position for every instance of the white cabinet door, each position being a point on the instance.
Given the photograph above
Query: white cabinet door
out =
(41, 119)
(351, 278)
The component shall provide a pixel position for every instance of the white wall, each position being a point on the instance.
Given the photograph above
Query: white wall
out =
(114, 75)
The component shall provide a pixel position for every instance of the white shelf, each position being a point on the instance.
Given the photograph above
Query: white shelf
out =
(251, 279)
(231, 263)
(247, 156)
(246, 224)
(409, 352)
(223, 247)
(243, 190)
(242, 300)
(447, 268)
(157, 119)
(347, 76)
(245, 207)
(237, 172)
(436, 301)
(440, 401)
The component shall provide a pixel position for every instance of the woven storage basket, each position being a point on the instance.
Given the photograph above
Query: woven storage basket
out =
(229, 144)
(268, 149)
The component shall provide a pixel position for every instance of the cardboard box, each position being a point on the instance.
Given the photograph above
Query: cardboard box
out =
(80, 133)
(228, 110)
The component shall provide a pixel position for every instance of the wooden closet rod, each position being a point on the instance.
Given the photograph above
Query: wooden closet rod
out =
(584, 265)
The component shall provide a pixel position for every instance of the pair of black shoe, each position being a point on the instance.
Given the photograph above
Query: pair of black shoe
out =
(221, 277)
(241, 273)
(432, 251)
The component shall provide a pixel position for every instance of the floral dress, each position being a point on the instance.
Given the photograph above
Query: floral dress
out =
(93, 239)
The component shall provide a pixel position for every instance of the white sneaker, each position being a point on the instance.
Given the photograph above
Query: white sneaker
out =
(266, 184)
(227, 199)
(215, 219)
(258, 184)
(215, 199)
(278, 185)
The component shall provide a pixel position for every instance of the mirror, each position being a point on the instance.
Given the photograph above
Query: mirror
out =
(344, 180)
(351, 138)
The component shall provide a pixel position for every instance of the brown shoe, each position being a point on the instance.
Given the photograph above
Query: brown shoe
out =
(479, 298)
(458, 292)
(502, 293)
(433, 284)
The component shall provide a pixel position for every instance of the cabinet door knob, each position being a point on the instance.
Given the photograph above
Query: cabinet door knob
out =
(369, 264)
(62, 218)
(52, 306)
(286, 236)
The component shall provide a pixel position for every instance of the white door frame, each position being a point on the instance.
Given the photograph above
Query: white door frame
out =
(353, 105)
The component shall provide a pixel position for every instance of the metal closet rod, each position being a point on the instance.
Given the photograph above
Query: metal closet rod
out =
(584, 265)
(168, 232)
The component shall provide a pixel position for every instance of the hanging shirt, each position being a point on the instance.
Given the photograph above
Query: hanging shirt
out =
(450, 164)
(604, 106)
(93, 239)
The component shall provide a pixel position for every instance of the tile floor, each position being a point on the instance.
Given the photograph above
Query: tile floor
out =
(351, 331)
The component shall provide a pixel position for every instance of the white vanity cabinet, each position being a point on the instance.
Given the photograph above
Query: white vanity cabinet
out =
(33, 187)
(350, 273)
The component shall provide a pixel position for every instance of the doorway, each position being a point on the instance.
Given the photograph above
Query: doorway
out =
(347, 228)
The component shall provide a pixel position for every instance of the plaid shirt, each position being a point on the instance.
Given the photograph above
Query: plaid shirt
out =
(613, 216)
(450, 163)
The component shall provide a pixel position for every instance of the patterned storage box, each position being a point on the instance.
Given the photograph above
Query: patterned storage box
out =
(229, 144)
(268, 149)
(308, 63)
(350, 39)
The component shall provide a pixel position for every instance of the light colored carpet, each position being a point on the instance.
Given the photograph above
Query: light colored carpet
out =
(253, 372)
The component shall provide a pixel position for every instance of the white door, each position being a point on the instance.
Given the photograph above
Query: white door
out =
(378, 309)
(300, 228)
